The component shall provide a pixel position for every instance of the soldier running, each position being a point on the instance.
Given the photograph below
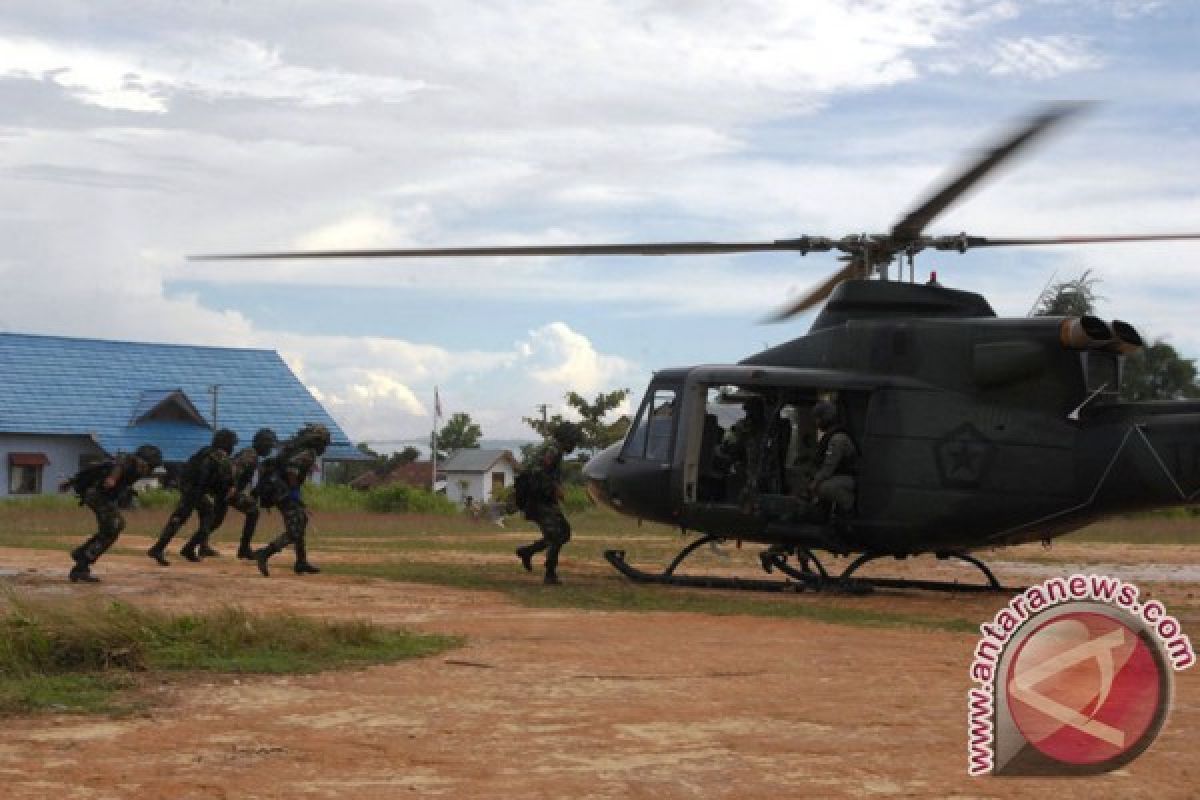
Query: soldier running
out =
(205, 479)
(280, 484)
(244, 465)
(101, 487)
(543, 505)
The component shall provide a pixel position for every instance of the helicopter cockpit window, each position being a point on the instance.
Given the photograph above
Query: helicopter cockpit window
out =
(654, 428)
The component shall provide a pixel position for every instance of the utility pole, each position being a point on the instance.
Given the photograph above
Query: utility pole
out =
(214, 390)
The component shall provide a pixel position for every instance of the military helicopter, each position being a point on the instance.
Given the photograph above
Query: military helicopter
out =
(974, 431)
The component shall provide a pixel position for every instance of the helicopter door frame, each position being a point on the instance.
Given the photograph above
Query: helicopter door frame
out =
(853, 390)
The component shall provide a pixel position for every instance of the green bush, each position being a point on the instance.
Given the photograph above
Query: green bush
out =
(399, 497)
(575, 499)
(42, 501)
(158, 498)
(333, 497)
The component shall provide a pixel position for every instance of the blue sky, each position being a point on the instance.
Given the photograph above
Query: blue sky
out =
(133, 139)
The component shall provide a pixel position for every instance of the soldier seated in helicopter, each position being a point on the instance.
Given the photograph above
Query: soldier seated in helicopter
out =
(737, 457)
(834, 483)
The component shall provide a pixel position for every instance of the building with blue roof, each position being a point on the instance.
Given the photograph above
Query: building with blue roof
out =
(67, 402)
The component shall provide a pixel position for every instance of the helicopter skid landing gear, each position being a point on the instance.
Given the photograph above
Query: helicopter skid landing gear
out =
(811, 574)
(992, 585)
(669, 578)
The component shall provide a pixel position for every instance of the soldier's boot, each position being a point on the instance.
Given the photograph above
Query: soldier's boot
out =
(82, 573)
(206, 550)
(303, 566)
(551, 578)
(82, 570)
(262, 555)
(244, 549)
(159, 549)
(189, 549)
(526, 556)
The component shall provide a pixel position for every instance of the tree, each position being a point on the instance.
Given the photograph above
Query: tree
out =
(1074, 298)
(1157, 372)
(346, 471)
(597, 434)
(458, 433)
(406, 456)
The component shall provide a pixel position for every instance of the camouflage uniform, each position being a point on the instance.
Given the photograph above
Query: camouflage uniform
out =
(207, 476)
(121, 473)
(243, 466)
(740, 455)
(544, 509)
(280, 486)
(834, 481)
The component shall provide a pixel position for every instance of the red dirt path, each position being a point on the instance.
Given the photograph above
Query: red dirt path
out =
(549, 704)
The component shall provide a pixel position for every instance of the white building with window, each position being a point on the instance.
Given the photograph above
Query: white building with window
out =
(477, 474)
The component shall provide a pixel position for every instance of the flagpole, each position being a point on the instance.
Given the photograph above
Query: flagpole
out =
(437, 412)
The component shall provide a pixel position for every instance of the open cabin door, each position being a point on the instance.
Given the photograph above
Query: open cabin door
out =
(749, 446)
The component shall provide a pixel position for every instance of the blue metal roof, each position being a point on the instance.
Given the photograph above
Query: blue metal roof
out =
(61, 385)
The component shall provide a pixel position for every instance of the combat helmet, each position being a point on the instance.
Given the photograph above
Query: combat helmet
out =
(824, 414)
(314, 435)
(225, 439)
(150, 454)
(567, 434)
(264, 441)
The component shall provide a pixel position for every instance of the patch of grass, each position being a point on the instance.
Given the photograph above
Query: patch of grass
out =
(75, 654)
(614, 593)
(91, 693)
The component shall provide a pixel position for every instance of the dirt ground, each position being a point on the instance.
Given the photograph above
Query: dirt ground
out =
(566, 703)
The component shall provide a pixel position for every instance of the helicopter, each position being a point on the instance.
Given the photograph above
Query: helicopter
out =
(973, 431)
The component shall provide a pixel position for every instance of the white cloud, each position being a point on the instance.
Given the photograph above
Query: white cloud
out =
(143, 78)
(563, 359)
(1043, 57)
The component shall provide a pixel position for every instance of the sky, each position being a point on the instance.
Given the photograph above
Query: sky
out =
(135, 134)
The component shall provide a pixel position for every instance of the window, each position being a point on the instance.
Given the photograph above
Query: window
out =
(497, 480)
(25, 472)
(653, 431)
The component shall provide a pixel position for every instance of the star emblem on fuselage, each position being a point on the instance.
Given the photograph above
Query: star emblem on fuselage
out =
(964, 456)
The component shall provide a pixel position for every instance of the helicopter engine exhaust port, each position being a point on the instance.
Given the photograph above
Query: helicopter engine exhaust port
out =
(1128, 340)
(1086, 333)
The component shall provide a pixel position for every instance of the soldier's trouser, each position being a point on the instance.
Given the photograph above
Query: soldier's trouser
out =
(243, 503)
(556, 532)
(838, 491)
(295, 521)
(198, 502)
(109, 524)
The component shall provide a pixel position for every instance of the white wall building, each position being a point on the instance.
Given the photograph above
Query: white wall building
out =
(477, 473)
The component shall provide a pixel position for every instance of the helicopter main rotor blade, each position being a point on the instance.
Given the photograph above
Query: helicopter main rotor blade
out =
(1039, 240)
(803, 244)
(816, 295)
(909, 227)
